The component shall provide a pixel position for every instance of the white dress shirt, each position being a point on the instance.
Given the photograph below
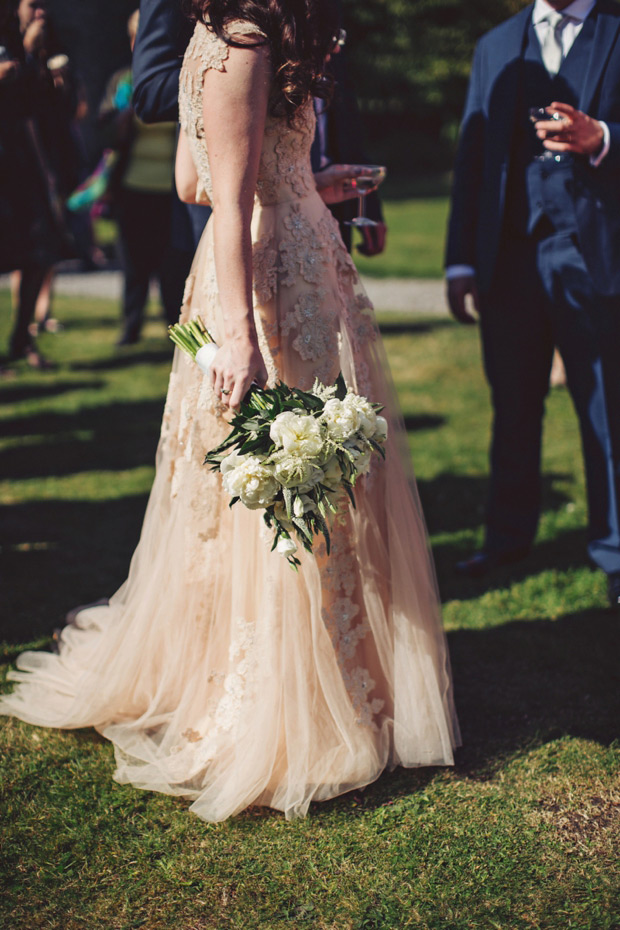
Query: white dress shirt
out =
(578, 11)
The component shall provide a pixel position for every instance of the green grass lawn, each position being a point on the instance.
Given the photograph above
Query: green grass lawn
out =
(523, 833)
(415, 240)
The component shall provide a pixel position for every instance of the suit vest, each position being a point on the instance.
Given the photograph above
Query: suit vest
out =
(543, 189)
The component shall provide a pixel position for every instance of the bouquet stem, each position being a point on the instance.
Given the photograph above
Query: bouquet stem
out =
(190, 337)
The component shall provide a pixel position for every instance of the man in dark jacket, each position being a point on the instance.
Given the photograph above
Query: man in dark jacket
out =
(534, 238)
(162, 38)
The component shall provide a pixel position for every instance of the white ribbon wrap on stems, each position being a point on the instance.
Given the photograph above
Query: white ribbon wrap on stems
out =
(205, 356)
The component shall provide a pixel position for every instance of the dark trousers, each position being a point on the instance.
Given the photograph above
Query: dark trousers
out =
(144, 221)
(542, 295)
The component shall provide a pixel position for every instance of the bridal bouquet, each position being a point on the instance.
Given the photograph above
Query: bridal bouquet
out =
(294, 454)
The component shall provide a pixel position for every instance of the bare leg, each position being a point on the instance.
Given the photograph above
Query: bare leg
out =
(21, 343)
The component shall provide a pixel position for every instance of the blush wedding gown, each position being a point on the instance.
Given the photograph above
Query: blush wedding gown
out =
(218, 673)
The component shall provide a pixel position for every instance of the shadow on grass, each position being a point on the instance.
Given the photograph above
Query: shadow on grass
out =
(126, 358)
(93, 321)
(59, 554)
(517, 687)
(565, 552)
(409, 325)
(457, 502)
(119, 437)
(13, 393)
(533, 681)
(422, 421)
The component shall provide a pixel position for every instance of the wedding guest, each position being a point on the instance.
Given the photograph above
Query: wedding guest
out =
(143, 202)
(163, 34)
(534, 240)
(31, 238)
(339, 139)
(57, 100)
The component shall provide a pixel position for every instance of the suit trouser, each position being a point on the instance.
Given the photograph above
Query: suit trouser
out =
(144, 221)
(542, 295)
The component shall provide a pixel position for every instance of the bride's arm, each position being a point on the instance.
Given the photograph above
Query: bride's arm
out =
(234, 109)
(185, 174)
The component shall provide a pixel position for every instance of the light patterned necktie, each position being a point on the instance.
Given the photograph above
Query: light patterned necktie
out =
(552, 51)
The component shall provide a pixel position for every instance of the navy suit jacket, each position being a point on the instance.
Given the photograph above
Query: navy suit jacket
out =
(481, 168)
(163, 35)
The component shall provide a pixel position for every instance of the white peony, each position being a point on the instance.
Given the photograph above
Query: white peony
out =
(249, 479)
(292, 471)
(381, 430)
(232, 460)
(366, 412)
(286, 546)
(342, 420)
(297, 434)
(361, 461)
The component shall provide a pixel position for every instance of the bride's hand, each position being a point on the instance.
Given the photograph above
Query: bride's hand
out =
(236, 366)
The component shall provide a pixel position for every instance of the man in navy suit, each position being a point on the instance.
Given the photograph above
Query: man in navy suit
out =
(534, 242)
(163, 35)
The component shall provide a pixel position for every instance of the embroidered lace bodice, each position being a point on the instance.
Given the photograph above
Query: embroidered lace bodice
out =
(284, 172)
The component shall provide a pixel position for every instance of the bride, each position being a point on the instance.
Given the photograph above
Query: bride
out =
(217, 672)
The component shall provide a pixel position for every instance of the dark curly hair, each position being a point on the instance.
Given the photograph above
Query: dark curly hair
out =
(299, 33)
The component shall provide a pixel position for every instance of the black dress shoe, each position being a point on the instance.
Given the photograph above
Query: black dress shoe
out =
(613, 590)
(483, 562)
(127, 339)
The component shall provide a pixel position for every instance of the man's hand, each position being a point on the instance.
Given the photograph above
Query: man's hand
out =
(573, 131)
(335, 183)
(458, 290)
(374, 239)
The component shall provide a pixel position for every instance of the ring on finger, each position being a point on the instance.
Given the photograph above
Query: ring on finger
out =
(225, 391)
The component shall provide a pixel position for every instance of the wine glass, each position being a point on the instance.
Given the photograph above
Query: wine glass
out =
(366, 183)
(538, 114)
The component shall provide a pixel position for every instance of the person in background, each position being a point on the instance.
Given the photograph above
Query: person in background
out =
(163, 35)
(58, 100)
(31, 226)
(534, 238)
(339, 139)
(143, 201)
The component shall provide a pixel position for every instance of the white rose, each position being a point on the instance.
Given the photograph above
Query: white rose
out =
(366, 412)
(251, 481)
(342, 420)
(297, 434)
(381, 430)
(286, 546)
